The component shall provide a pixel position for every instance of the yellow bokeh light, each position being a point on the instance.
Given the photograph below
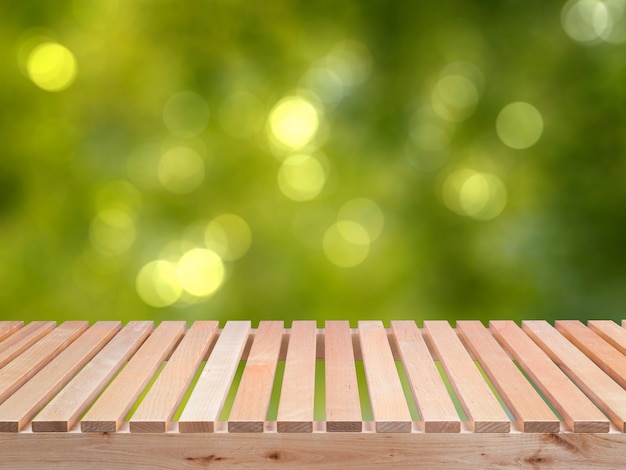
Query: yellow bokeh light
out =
(200, 272)
(340, 247)
(350, 61)
(112, 232)
(366, 213)
(229, 236)
(301, 177)
(293, 122)
(241, 115)
(51, 66)
(594, 21)
(454, 97)
(474, 194)
(158, 285)
(181, 170)
(519, 125)
(186, 114)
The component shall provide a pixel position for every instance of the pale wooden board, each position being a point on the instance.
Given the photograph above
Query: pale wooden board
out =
(609, 359)
(437, 411)
(28, 400)
(297, 397)
(580, 414)
(530, 411)
(252, 400)
(64, 409)
(27, 364)
(609, 396)
(207, 399)
(389, 406)
(160, 403)
(481, 406)
(111, 408)
(17, 343)
(343, 408)
(349, 451)
(7, 328)
(611, 332)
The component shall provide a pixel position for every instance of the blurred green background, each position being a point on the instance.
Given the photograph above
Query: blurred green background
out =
(289, 159)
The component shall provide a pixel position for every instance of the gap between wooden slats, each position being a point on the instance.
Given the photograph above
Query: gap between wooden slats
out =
(529, 409)
(608, 395)
(482, 408)
(205, 403)
(7, 328)
(17, 343)
(63, 411)
(28, 400)
(158, 406)
(21, 369)
(579, 413)
(611, 332)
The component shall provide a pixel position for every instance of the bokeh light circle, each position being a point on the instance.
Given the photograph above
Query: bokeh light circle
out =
(157, 283)
(474, 194)
(346, 244)
(301, 177)
(229, 236)
(51, 66)
(181, 170)
(293, 122)
(200, 272)
(519, 125)
(186, 114)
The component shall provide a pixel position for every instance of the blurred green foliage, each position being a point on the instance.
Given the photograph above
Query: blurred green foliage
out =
(87, 198)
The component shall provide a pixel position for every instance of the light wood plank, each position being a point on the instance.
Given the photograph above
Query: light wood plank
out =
(15, 344)
(609, 359)
(160, 403)
(28, 400)
(252, 400)
(389, 406)
(7, 328)
(611, 332)
(343, 408)
(578, 412)
(108, 412)
(530, 411)
(481, 406)
(297, 397)
(20, 370)
(433, 402)
(62, 413)
(609, 396)
(207, 399)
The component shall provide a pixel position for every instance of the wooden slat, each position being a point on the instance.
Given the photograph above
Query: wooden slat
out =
(606, 394)
(609, 359)
(252, 400)
(207, 399)
(530, 411)
(28, 400)
(63, 411)
(9, 327)
(580, 414)
(611, 332)
(160, 403)
(433, 402)
(108, 412)
(14, 345)
(389, 406)
(343, 408)
(21, 369)
(481, 406)
(297, 397)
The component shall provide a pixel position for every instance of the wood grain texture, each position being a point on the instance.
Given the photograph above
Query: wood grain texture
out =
(108, 412)
(30, 398)
(21, 369)
(15, 344)
(252, 400)
(389, 405)
(343, 407)
(297, 396)
(609, 396)
(437, 411)
(207, 399)
(63, 411)
(7, 328)
(528, 408)
(580, 414)
(611, 332)
(160, 403)
(481, 406)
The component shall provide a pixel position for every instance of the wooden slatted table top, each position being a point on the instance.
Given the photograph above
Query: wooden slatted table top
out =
(137, 379)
